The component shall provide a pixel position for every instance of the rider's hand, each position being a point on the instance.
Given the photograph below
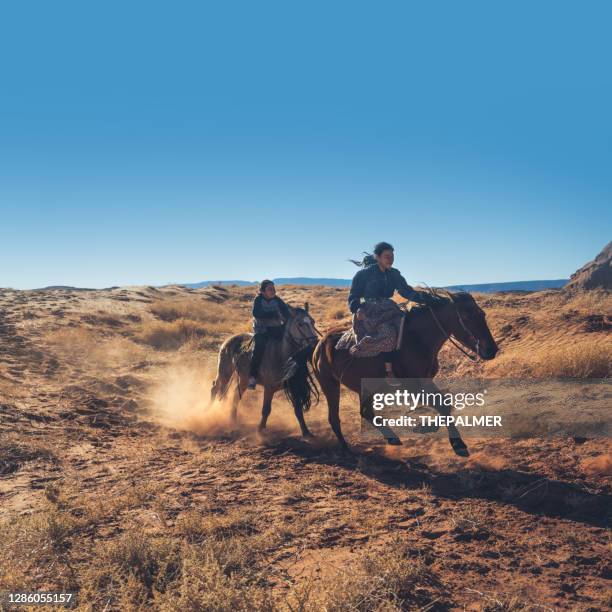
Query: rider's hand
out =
(360, 315)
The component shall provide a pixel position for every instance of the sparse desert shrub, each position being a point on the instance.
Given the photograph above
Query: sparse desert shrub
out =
(218, 573)
(470, 524)
(205, 582)
(511, 603)
(168, 336)
(196, 525)
(377, 581)
(38, 542)
(127, 571)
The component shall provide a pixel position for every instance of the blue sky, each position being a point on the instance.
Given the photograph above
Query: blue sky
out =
(150, 142)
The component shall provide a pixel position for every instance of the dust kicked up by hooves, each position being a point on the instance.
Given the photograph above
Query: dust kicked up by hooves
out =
(180, 399)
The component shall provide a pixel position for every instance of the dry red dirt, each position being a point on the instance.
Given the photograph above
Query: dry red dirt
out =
(110, 472)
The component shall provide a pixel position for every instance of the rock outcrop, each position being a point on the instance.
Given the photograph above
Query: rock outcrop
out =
(596, 274)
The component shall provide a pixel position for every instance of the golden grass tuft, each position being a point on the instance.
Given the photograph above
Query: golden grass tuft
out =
(581, 359)
(182, 320)
(171, 335)
(195, 309)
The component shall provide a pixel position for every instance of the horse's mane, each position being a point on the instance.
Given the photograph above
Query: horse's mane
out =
(445, 294)
(441, 297)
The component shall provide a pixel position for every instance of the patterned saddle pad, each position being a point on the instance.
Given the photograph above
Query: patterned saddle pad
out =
(380, 332)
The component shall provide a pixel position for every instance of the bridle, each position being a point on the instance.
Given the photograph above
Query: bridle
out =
(451, 339)
(307, 339)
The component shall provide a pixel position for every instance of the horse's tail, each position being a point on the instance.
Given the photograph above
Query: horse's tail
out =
(226, 365)
(298, 383)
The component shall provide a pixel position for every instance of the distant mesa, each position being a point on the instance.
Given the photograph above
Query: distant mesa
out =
(596, 274)
(535, 285)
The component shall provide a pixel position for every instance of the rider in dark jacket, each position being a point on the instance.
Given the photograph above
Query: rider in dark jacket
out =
(379, 279)
(269, 316)
(374, 282)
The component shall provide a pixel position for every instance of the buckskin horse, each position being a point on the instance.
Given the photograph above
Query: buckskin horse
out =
(284, 365)
(427, 328)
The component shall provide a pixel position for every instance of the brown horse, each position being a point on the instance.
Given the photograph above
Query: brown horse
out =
(426, 329)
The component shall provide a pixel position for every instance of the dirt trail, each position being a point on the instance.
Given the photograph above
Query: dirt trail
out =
(525, 520)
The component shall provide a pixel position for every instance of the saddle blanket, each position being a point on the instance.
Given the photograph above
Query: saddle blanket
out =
(380, 332)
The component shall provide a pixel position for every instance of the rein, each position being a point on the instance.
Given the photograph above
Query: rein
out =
(451, 339)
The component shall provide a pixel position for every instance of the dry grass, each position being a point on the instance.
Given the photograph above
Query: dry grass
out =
(35, 546)
(15, 452)
(470, 523)
(181, 320)
(550, 334)
(207, 561)
(581, 359)
(381, 581)
(196, 525)
(170, 336)
(194, 308)
(148, 519)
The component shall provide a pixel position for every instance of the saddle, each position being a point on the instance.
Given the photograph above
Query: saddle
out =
(382, 330)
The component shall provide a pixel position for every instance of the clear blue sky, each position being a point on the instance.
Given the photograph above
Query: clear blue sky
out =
(150, 142)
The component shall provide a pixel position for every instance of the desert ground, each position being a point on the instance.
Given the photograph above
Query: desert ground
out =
(120, 482)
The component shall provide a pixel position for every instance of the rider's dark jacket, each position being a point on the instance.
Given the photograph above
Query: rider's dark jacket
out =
(268, 313)
(371, 282)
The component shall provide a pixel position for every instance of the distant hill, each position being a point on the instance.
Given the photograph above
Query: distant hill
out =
(64, 288)
(301, 280)
(534, 285)
(208, 283)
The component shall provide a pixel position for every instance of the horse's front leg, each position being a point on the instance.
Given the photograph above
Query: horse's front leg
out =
(454, 437)
(266, 407)
(367, 412)
(299, 415)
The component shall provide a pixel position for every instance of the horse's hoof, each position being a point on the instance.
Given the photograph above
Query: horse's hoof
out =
(307, 434)
(394, 442)
(460, 448)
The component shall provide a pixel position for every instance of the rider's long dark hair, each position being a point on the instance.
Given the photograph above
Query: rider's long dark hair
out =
(368, 258)
(298, 384)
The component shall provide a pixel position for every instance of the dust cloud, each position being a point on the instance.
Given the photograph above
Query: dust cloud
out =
(180, 399)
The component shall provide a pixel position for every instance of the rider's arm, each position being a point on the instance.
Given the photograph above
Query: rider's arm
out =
(356, 292)
(284, 309)
(406, 291)
(260, 313)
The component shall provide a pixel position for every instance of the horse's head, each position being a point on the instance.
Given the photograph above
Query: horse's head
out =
(466, 321)
(301, 327)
